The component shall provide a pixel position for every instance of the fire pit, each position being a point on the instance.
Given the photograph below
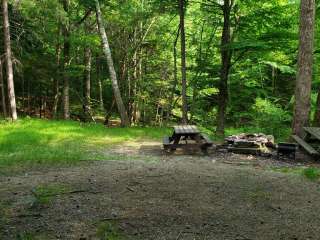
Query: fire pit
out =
(256, 143)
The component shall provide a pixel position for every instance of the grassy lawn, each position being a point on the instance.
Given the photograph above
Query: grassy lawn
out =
(30, 142)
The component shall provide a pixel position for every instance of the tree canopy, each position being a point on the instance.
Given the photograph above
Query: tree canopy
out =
(50, 39)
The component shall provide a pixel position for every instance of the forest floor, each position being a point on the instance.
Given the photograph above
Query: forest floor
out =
(146, 194)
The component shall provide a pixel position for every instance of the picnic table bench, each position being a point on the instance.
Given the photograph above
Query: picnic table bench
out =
(311, 141)
(187, 136)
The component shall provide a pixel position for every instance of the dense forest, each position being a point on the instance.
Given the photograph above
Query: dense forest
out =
(219, 64)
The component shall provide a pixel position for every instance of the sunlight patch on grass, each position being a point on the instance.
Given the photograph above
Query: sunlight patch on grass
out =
(31, 142)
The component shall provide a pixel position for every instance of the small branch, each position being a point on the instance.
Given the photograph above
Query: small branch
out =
(88, 13)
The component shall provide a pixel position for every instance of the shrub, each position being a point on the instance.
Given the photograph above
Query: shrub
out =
(271, 118)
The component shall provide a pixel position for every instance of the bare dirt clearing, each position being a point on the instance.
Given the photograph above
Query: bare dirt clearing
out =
(156, 196)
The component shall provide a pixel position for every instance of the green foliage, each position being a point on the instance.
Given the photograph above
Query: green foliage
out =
(270, 117)
(282, 68)
(142, 36)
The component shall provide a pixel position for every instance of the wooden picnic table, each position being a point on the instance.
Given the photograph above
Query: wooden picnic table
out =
(186, 136)
(311, 141)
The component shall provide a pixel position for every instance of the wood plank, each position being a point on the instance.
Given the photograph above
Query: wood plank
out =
(315, 132)
(186, 129)
(187, 146)
(305, 145)
(206, 139)
(245, 150)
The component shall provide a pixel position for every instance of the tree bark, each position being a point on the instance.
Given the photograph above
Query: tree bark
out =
(3, 96)
(317, 114)
(305, 63)
(183, 63)
(225, 68)
(113, 75)
(7, 48)
(98, 66)
(87, 81)
(66, 62)
(56, 84)
(175, 75)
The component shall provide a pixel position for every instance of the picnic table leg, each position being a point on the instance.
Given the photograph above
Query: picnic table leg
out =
(204, 150)
(198, 140)
(176, 140)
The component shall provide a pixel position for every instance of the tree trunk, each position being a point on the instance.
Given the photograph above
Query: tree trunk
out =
(7, 48)
(113, 75)
(317, 113)
(98, 66)
(305, 63)
(225, 68)
(3, 96)
(56, 84)
(87, 82)
(66, 62)
(175, 75)
(183, 63)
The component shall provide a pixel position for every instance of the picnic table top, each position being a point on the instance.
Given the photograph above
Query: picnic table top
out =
(186, 129)
(314, 131)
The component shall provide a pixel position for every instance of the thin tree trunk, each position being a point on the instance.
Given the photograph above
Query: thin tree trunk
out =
(225, 68)
(317, 113)
(305, 63)
(132, 82)
(183, 63)
(87, 81)
(7, 47)
(28, 96)
(175, 75)
(98, 66)
(3, 96)
(56, 84)
(66, 62)
(113, 75)
(23, 92)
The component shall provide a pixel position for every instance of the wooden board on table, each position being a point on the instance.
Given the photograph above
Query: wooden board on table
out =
(314, 131)
(186, 129)
(305, 145)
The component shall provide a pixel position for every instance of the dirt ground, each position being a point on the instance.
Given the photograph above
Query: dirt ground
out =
(146, 194)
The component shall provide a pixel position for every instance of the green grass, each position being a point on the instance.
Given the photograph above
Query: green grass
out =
(29, 142)
(32, 236)
(46, 193)
(34, 142)
(310, 173)
(109, 231)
